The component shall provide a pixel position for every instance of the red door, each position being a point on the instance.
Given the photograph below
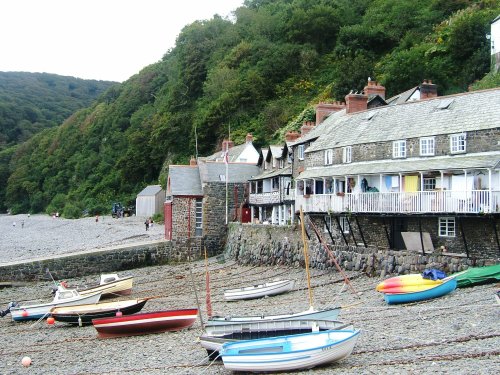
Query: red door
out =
(245, 215)
(168, 220)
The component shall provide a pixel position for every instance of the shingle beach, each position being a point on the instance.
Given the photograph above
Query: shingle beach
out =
(455, 334)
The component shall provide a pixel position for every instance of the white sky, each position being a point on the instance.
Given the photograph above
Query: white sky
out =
(96, 39)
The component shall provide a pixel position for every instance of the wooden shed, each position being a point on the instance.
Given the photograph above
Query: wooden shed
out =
(150, 201)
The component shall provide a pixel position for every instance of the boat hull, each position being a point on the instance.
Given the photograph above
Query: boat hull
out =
(406, 284)
(86, 313)
(35, 312)
(145, 323)
(327, 314)
(258, 291)
(438, 291)
(212, 340)
(287, 353)
(121, 287)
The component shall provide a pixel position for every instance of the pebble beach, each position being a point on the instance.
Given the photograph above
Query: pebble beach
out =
(455, 334)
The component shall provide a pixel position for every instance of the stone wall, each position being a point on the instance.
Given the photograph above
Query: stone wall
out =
(251, 244)
(477, 141)
(98, 261)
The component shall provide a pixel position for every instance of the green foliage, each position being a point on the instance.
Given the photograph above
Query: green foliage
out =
(262, 73)
(159, 218)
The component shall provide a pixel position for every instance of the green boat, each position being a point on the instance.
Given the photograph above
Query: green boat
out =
(478, 275)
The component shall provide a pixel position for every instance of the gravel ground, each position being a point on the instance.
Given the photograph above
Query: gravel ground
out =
(42, 235)
(456, 334)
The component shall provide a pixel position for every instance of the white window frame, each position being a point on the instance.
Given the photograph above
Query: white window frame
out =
(282, 163)
(329, 157)
(427, 146)
(447, 227)
(328, 224)
(344, 224)
(274, 162)
(346, 154)
(301, 152)
(429, 183)
(399, 149)
(458, 143)
(199, 217)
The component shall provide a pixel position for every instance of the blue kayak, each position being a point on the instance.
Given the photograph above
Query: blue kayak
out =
(438, 291)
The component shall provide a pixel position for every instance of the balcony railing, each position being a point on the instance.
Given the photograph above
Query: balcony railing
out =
(447, 201)
(273, 197)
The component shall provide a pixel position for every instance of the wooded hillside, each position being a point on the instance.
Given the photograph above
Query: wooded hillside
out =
(260, 72)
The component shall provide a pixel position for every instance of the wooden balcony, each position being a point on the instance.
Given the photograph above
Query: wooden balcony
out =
(439, 202)
(271, 198)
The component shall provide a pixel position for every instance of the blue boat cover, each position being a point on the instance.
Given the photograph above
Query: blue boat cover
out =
(433, 274)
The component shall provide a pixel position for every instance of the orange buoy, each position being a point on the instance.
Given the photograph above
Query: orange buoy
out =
(26, 361)
(119, 313)
(24, 314)
(50, 320)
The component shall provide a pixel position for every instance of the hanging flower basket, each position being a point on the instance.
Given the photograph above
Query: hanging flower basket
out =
(340, 194)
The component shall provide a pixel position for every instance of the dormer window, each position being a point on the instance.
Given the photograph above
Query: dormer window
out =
(282, 164)
(399, 149)
(328, 157)
(458, 143)
(301, 152)
(427, 146)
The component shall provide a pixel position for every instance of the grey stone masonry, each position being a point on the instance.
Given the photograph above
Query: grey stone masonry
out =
(477, 141)
(270, 245)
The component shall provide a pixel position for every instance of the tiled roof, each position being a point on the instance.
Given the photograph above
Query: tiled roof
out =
(184, 180)
(278, 172)
(150, 190)
(437, 163)
(477, 110)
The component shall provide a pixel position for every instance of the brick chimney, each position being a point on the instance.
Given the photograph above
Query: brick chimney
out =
(307, 126)
(373, 88)
(249, 138)
(291, 136)
(227, 144)
(428, 90)
(356, 102)
(324, 109)
(193, 162)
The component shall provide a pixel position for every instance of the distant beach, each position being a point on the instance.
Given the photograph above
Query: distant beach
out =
(24, 237)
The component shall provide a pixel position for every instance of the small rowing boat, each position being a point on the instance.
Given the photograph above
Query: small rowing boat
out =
(288, 353)
(83, 314)
(215, 336)
(447, 286)
(110, 285)
(260, 290)
(62, 297)
(144, 323)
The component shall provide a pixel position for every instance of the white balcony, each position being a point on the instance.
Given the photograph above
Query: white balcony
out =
(475, 201)
(273, 197)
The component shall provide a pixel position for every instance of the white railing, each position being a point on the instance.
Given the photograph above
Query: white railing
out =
(475, 201)
(273, 197)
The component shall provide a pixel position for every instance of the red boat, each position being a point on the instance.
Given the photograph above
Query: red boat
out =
(141, 324)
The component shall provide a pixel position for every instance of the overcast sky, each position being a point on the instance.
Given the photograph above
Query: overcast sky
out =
(95, 39)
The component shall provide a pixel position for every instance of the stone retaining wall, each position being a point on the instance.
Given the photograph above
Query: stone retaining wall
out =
(94, 262)
(251, 244)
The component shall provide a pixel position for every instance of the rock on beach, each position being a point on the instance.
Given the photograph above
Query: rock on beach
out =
(456, 334)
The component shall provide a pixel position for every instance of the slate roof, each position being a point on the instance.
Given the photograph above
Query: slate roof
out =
(238, 172)
(276, 151)
(184, 180)
(477, 110)
(150, 190)
(402, 97)
(269, 174)
(317, 130)
(436, 163)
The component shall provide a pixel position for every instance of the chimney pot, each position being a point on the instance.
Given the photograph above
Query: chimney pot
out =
(428, 89)
(356, 102)
(249, 138)
(192, 162)
(323, 110)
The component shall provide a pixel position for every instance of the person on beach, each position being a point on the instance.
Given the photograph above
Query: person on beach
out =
(22, 224)
(147, 224)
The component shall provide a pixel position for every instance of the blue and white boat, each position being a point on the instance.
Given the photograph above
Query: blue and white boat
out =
(63, 297)
(311, 314)
(449, 285)
(287, 353)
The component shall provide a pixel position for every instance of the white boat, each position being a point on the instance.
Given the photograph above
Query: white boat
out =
(326, 314)
(110, 285)
(63, 297)
(215, 336)
(287, 353)
(260, 290)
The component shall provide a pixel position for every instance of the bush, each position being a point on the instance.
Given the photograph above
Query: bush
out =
(158, 218)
